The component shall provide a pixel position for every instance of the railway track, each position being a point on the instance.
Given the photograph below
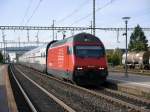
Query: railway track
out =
(38, 99)
(134, 100)
(89, 100)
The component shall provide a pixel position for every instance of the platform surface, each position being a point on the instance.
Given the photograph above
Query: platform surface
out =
(140, 80)
(134, 83)
(7, 102)
(3, 95)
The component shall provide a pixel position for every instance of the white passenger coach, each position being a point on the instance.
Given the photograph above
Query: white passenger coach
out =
(35, 58)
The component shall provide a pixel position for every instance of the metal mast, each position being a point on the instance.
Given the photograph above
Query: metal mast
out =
(93, 17)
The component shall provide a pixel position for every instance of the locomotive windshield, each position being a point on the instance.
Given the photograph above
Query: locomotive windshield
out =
(89, 51)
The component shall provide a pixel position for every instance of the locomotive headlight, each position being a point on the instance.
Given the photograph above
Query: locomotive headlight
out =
(79, 68)
(101, 68)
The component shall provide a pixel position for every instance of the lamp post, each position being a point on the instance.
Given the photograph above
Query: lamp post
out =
(126, 34)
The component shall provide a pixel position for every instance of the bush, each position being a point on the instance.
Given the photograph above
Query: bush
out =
(115, 57)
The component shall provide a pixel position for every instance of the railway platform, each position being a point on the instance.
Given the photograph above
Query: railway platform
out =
(134, 83)
(7, 102)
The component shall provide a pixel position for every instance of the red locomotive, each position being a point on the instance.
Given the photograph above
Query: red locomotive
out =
(80, 58)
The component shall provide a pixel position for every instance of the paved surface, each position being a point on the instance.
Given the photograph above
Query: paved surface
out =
(3, 95)
(134, 84)
(7, 102)
(132, 78)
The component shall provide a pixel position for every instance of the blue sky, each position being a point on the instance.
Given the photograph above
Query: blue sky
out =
(18, 12)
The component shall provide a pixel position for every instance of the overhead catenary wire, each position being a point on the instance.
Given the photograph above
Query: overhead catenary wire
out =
(82, 18)
(34, 11)
(105, 5)
(26, 12)
(90, 14)
(74, 11)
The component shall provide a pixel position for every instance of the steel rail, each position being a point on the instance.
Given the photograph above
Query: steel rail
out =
(105, 97)
(23, 92)
(131, 107)
(127, 96)
(58, 101)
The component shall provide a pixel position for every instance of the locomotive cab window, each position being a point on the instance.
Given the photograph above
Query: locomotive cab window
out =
(89, 51)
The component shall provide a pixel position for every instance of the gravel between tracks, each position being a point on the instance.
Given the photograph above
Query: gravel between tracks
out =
(78, 100)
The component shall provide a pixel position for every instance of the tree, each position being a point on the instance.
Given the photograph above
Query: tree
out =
(138, 41)
(1, 57)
